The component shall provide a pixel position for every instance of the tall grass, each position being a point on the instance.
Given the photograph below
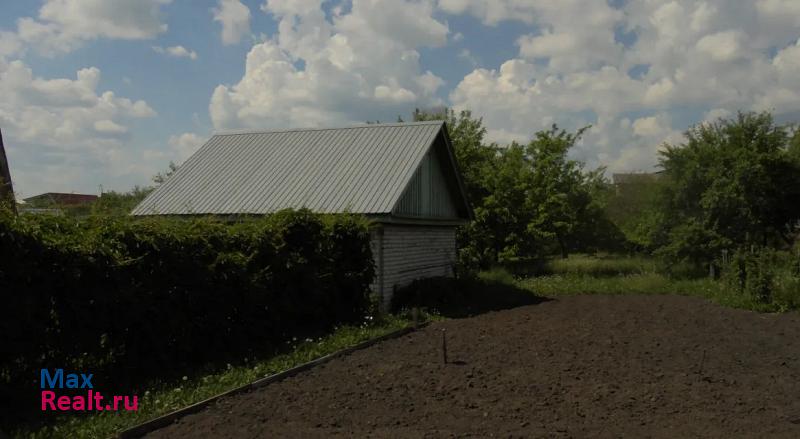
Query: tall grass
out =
(601, 266)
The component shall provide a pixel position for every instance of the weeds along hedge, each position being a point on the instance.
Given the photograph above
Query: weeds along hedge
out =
(131, 298)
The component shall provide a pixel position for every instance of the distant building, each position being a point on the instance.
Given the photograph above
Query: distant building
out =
(623, 180)
(55, 203)
(402, 176)
(57, 199)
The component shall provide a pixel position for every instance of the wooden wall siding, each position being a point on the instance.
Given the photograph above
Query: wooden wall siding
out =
(428, 195)
(412, 252)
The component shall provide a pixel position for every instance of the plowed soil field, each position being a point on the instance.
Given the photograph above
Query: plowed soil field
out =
(582, 366)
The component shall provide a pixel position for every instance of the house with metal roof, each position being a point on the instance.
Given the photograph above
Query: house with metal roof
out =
(402, 176)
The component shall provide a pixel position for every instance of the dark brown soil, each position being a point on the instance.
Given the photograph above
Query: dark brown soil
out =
(584, 366)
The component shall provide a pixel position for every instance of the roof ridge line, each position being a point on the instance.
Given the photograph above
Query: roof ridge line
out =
(351, 127)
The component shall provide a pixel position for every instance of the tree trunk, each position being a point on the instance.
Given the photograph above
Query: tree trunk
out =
(562, 246)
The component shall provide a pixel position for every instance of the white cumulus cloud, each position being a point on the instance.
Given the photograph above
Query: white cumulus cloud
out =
(640, 72)
(62, 131)
(184, 145)
(350, 67)
(64, 25)
(176, 51)
(234, 18)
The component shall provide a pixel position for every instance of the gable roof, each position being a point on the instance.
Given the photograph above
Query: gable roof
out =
(67, 199)
(363, 169)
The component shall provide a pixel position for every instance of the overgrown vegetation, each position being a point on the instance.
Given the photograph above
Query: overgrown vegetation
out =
(733, 188)
(131, 300)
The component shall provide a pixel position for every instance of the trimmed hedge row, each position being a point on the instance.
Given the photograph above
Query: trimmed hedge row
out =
(135, 298)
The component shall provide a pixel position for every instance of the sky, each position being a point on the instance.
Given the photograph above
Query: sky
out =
(99, 95)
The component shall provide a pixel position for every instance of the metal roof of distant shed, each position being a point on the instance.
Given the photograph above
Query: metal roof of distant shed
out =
(360, 169)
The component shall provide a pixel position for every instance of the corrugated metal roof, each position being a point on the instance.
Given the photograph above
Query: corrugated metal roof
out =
(358, 169)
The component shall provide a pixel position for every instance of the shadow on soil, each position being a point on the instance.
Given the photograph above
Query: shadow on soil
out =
(456, 298)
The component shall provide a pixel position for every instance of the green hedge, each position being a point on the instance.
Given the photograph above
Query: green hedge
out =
(132, 299)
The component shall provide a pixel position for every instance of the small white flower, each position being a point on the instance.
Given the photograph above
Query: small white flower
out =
(185, 378)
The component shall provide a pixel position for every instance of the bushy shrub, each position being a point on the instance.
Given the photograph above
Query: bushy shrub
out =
(765, 276)
(129, 299)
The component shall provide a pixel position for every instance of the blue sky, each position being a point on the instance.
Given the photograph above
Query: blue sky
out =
(639, 71)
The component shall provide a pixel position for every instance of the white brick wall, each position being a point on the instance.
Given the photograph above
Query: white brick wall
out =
(411, 252)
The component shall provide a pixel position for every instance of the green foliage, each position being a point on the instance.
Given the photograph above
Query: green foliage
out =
(119, 203)
(634, 209)
(124, 297)
(528, 200)
(765, 276)
(161, 177)
(567, 202)
(644, 283)
(732, 185)
(601, 265)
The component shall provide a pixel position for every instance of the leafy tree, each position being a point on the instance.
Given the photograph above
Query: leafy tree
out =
(566, 202)
(794, 145)
(633, 207)
(528, 199)
(161, 177)
(119, 203)
(556, 193)
(733, 184)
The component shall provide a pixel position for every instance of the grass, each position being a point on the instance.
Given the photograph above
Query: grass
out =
(647, 283)
(615, 274)
(162, 398)
(601, 266)
(609, 274)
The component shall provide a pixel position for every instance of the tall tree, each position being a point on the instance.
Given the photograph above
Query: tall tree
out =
(560, 193)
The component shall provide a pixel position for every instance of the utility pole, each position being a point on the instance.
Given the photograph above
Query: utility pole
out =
(6, 188)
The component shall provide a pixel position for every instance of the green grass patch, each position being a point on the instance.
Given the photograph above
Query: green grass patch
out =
(651, 283)
(636, 276)
(162, 398)
(601, 266)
